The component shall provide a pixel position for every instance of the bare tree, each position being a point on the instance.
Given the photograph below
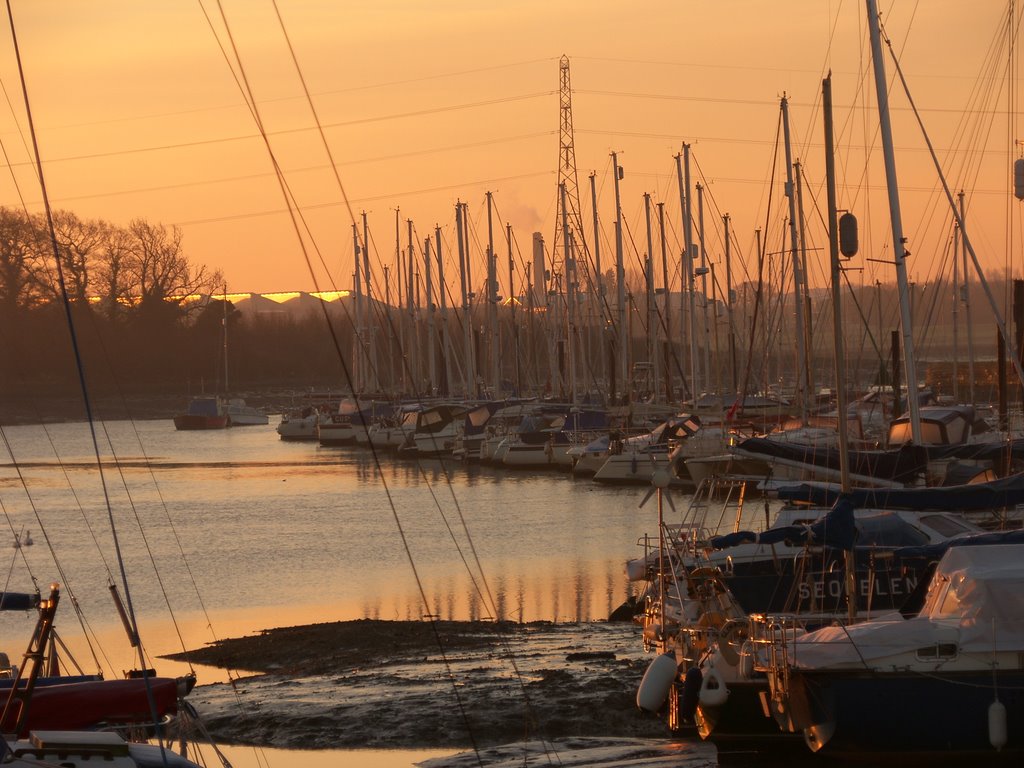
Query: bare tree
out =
(79, 245)
(114, 271)
(161, 273)
(23, 262)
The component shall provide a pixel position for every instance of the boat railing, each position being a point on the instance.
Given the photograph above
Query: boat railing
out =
(772, 638)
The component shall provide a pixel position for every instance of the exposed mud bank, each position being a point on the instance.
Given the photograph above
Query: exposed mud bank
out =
(416, 684)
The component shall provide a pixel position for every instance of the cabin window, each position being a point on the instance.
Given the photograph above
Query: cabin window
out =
(932, 433)
(938, 651)
(957, 432)
(950, 605)
(936, 593)
(944, 525)
(899, 433)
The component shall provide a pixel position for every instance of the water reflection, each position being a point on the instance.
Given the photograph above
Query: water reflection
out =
(245, 524)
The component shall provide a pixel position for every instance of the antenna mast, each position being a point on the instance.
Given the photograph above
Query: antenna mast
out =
(566, 174)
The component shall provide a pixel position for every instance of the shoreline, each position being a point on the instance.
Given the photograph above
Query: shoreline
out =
(407, 684)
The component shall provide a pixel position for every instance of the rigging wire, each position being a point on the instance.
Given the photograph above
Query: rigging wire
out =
(80, 368)
(336, 342)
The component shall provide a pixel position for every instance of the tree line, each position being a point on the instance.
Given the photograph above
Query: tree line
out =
(131, 293)
(127, 272)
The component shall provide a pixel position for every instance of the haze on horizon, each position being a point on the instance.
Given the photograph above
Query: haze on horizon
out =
(139, 115)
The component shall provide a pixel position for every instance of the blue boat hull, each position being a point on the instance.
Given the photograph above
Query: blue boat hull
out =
(911, 711)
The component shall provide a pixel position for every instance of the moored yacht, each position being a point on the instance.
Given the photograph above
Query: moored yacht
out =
(241, 415)
(634, 459)
(947, 679)
(203, 412)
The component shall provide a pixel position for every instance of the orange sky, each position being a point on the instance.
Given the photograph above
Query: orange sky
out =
(423, 104)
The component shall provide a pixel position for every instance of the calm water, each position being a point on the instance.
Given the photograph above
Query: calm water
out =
(247, 532)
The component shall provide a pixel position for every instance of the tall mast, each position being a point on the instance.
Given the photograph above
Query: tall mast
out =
(566, 241)
(733, 381)
(371, 380)
(798, 293)
(899, 242)
(597, 300)
(512, 308)
(492, 299)
(467, 321)
(804, 285)
(227, 388)
(402, 342)
(956, 313)
(442, 291)
(706, 334)
(837, 320)
(569, 203)
(571, 285)
(431, 320)
(652, 309)
(388, 386)
(686, 296)
(358, 374)
(837, 314)
(410, 295)
(666, 316)
(620, 278)
(967, 303)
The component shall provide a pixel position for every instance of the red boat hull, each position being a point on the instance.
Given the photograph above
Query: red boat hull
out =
(87, 705)
(192, 421)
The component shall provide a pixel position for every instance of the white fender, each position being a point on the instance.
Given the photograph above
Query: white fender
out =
(656, 683)
(997, 724)
(636, 570)
(713, 692)
(746, 665)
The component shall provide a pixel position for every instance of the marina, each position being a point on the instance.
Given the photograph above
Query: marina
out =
(594, 474)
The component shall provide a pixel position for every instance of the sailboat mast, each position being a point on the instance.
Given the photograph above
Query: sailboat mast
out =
(652, 309)
(798, 302)
(512, 309)
(571, 284)
(620, 278)
(967, 302)
(666, 317)
(837, 313)
(808, 315)
(467, 322)
(431, 326)
(411, 273)
(956, 313)
(357, 342)
(706, 334)
(372, 380)
(492, 298)
(837, 331)
(442, 292)
(402, 344)
(225, 323)
(686, 296)
(728, 305)
(899, 242)
(597, 300)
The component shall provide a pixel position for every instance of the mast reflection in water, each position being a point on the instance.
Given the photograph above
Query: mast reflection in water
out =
(273, 528)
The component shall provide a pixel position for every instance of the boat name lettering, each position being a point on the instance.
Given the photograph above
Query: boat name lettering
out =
(879, 587)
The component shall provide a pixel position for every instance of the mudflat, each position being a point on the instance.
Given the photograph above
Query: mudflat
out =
(372, 683)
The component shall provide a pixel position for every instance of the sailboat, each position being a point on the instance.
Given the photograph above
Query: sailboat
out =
(947, 679)
(203, 412)
(216, 412)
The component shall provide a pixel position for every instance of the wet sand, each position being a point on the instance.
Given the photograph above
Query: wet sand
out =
(386, 684)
